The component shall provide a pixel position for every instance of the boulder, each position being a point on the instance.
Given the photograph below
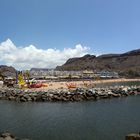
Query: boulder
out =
(12, 98)
(9, 136)
(116, 95)
(133, 137)
(22, 99)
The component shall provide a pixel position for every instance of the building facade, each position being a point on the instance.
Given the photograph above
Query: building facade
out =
(51, 73)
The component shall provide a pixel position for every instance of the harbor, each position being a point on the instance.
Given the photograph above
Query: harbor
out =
(107, 119)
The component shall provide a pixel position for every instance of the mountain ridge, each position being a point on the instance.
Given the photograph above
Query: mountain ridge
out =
(7, 71)
(124, 62)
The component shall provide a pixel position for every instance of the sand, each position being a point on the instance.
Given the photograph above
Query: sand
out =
(92, 83)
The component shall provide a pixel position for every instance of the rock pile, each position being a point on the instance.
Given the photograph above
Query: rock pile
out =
(79, 94)
(9, 136)
(133, 136)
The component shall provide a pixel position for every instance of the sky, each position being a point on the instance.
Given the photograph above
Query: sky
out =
(45, 33)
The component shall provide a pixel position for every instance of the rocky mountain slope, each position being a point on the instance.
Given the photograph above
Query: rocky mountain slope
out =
(7, 71)
(128, 62)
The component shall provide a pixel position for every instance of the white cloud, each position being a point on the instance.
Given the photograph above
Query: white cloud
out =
(30, 56)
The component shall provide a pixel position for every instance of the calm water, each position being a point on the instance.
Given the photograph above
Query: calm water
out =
(108, 119)
(118, 83)
(101, 120)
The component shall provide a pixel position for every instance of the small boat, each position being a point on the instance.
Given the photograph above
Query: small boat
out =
(36, 85)
(71, 85)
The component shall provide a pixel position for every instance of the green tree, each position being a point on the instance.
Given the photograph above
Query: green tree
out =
(70, 76)
(27, 75)
(1, 75)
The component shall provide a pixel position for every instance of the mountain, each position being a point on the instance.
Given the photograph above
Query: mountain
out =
(128, 63)
(7, 71)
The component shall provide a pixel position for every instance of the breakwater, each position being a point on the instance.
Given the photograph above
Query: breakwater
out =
(79, 94)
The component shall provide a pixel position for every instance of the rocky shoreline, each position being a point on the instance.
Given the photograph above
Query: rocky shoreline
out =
(133, 136)
(79, 94)
(9, 136)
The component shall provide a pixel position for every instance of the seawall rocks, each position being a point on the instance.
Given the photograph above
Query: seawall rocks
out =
(133, 136)
(9, 136)
(79, 94)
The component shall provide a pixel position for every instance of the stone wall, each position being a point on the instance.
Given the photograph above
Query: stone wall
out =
(79, 94)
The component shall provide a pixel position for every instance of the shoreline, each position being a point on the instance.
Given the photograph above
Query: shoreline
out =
(85, 83)
(9, 136)
(71, 95)
(82, 92)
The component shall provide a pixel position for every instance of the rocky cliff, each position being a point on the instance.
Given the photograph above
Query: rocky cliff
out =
(7, 71)
(128, 63)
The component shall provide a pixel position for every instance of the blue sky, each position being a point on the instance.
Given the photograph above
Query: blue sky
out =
(106, 26)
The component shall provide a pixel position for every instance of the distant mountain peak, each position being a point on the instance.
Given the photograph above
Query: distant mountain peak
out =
(7, 70)
(113, 62)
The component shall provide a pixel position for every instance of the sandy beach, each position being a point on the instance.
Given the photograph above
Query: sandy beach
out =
(91, 83)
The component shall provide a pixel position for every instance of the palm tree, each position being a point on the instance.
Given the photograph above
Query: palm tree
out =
(1, 75)
(27, 75)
